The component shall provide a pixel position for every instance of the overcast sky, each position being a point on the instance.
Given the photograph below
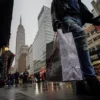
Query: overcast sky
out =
(29, 10)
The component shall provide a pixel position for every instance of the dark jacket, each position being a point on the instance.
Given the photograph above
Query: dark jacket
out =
(60, 9)
(16, 75)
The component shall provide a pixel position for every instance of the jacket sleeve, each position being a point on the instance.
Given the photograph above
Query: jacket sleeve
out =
(53, 15)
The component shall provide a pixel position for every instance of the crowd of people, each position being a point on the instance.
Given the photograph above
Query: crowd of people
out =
(39, 77)
(24, 78)
(17, 78)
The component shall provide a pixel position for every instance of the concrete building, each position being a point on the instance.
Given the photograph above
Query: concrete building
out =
(93, 41)
(20, 40)
(22, 58)
(96, 6)
(94, 46)
(44, 35)
(12, 70)
(29, 61)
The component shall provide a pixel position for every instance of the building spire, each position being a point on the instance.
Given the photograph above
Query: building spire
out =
(20, 20)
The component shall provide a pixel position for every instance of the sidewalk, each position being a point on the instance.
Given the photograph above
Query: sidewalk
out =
(53, 92)
(41, 92)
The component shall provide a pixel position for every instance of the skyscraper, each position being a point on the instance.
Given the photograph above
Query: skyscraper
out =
(20, 40)
(29, 60)
(93, 45)
(22, 58)
(44, 35)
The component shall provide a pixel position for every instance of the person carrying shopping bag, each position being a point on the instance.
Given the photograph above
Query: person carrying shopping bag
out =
(70, 16)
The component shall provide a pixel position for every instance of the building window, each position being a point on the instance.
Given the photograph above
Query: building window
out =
(94, 57)
(92, 49)
(90, 42)
(96, 38)
(98, 47)
(88, 35)
(99, 37)
(93, 32)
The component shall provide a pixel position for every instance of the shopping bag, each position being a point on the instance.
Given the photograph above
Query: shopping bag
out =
(62, 59)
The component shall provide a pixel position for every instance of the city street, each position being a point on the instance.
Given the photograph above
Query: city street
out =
(42, 91)
(50, 40)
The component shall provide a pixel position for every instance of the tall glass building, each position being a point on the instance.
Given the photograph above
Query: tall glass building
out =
(44, 35)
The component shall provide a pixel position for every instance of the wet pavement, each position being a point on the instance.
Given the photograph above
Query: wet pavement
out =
(42, 91)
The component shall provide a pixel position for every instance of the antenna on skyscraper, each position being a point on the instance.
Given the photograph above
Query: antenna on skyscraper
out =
(20, 20)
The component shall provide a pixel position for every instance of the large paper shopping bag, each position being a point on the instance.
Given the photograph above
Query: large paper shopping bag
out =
(62, 59)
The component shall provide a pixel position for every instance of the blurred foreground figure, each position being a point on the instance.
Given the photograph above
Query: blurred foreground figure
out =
(6, 8)
(21, 79)
(16, 78)
(25, 77)
(70, 16)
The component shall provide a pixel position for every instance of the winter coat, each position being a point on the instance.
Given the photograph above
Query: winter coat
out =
(60, 9)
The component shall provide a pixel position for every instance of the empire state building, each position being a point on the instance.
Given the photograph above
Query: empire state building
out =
(20, 41)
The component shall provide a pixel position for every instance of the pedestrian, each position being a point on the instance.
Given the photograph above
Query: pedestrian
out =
(9, 79)
(43, 75)
(70, 16)
(21, 79)
(13, 77)
(38, 77)
(16, 78)
(25, 76)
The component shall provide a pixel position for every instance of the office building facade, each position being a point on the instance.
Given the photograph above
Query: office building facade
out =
(94, 46)
(29, 61)
(44, 35)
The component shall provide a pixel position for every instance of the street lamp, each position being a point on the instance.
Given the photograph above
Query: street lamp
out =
(6, 48)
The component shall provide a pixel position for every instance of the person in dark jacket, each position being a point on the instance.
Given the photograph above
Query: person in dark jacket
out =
(21, 79)
(16, 78)
(70, 16)
(25, 77)
(9, 80)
